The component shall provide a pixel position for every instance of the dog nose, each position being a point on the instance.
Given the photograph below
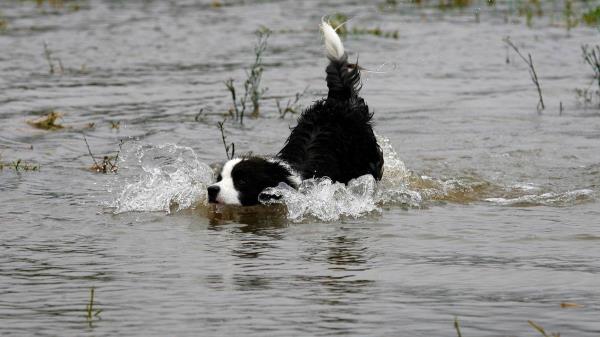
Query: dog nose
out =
(213, 191)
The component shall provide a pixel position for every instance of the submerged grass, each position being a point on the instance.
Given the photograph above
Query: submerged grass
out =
(90, 312)
(591, 55)
(19, 165)
(229, 147)
(252, 85)
(534, 325)
(108, 163)
(541, 330)
(572, 13)
(532, 73)
(292, 106)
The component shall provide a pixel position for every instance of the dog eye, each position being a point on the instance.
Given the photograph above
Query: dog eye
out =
(219, 178)
(242, 182)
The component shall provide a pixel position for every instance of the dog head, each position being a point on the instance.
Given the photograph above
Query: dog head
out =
(242, 180)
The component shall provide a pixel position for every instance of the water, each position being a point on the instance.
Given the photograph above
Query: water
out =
(488, 211)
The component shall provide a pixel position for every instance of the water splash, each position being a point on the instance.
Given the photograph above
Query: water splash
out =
(160, 178)
(326, 200)
(170, 177)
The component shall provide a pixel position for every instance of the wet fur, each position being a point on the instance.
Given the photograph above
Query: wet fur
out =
(333, 138)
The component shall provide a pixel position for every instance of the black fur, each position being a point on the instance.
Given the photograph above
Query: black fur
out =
(334, 138)
(252, 175)
(343, 79)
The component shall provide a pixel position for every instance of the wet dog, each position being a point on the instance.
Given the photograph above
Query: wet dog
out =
(334, 138)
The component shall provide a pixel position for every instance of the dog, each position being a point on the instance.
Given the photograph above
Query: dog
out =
(333, 138)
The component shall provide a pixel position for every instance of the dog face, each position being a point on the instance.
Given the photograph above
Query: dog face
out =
(242, 180)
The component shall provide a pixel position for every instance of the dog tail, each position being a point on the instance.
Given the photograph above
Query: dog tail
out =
(343, 78)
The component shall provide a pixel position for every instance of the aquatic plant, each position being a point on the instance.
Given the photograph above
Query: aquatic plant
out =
(292, 106)
(115, 125)
(532, 73)
(231, 146)
(534, 325)
(541, 330)
(252, 84)
(340, 21)
(90, 313)
(591, 55)
(47, 122)
(592, 17)
(569, 14)
(457, 327)
(530, 8)
(450, 4)
(19, 165)
(73, 5)
(394, 34)
(108, 164)
(252, 89)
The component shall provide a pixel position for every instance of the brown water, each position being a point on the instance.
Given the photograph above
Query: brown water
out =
(488, 210)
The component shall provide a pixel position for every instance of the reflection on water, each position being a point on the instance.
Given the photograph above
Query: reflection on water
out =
(487, 210)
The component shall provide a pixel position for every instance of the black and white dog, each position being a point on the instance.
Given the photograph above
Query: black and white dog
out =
(333, 138)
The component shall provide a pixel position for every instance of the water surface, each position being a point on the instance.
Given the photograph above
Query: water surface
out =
(488, 211)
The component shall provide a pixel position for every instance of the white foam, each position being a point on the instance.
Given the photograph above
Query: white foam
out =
(167, 177)
(547, 199)
(326, 200)
(158, 178)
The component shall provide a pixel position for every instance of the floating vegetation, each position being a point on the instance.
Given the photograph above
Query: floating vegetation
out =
(340, 23)
(252, 89)
(108, 163)
(19, 165)
(592, 17)
(47, 122)
(570, 305)
(231, 146)
(451, 4)
(292, 106)
(115, 125)
(90, 312)
(529, 61)
(72, 5)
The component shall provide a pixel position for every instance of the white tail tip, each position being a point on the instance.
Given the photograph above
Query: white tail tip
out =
(333, 44)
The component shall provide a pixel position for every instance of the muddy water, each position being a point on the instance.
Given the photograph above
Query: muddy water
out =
(488, 211)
